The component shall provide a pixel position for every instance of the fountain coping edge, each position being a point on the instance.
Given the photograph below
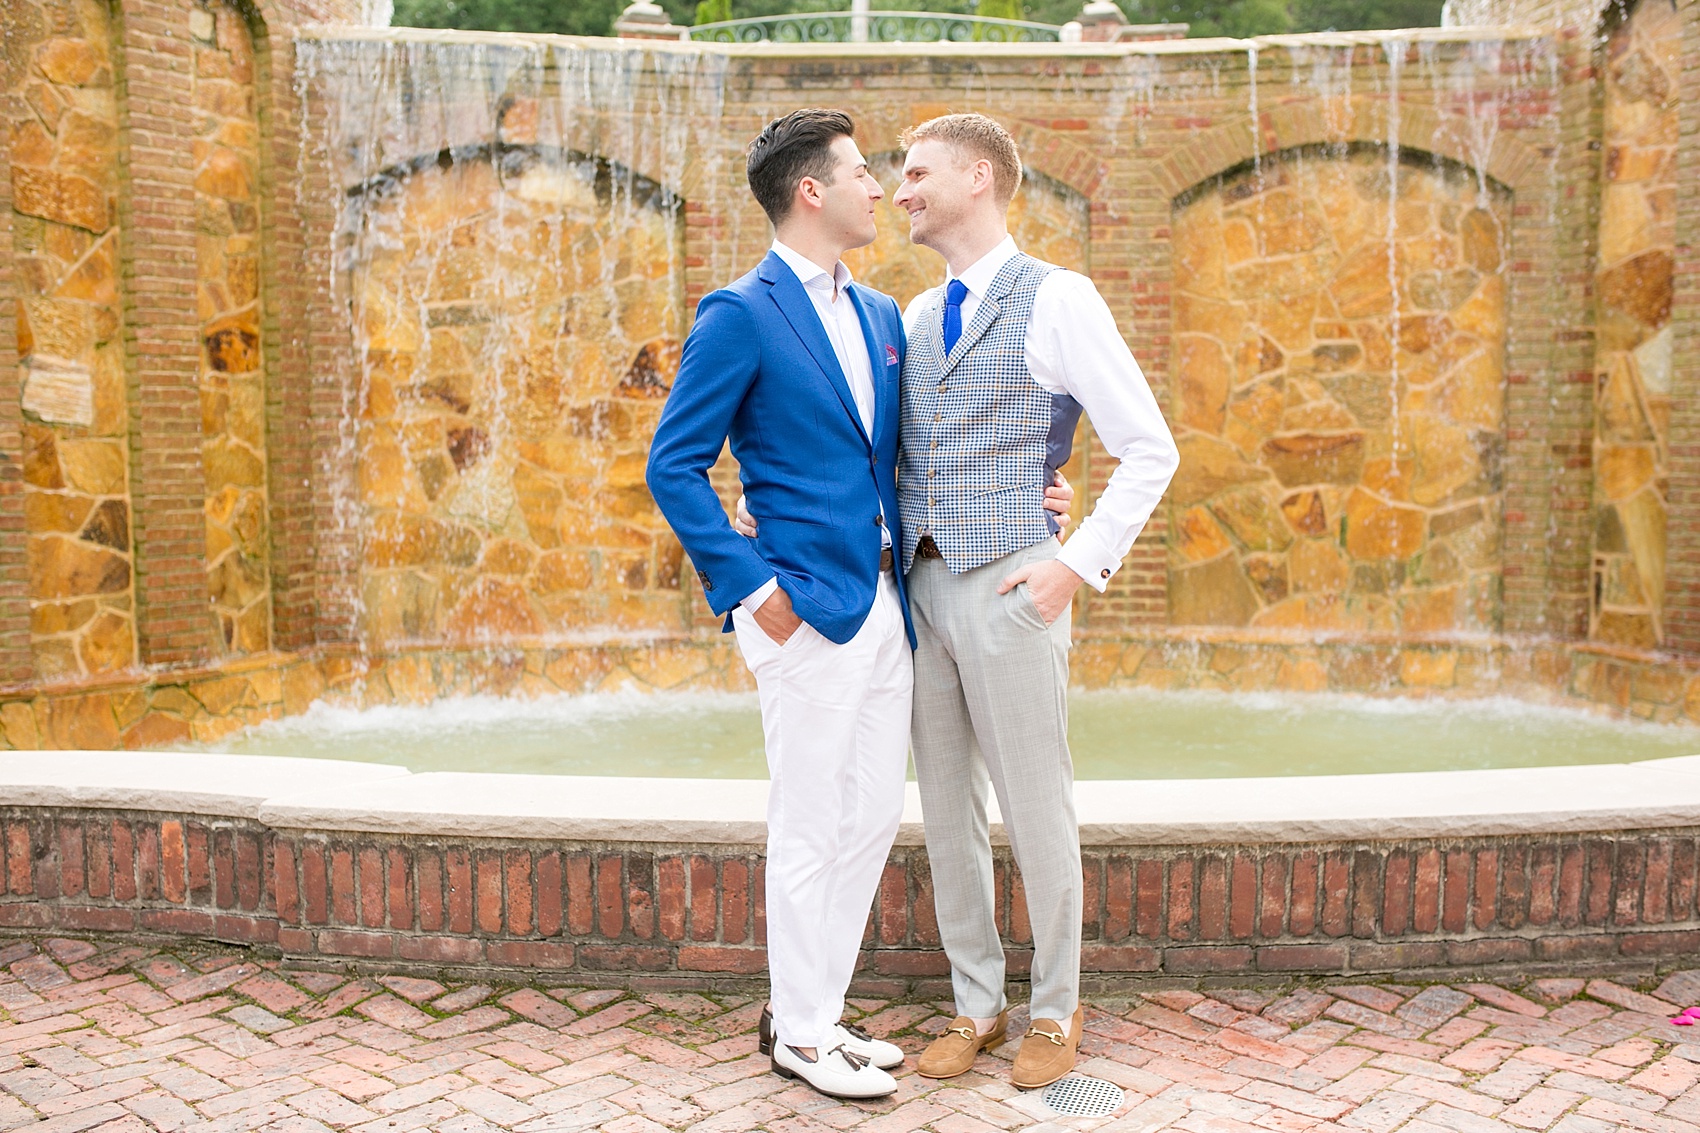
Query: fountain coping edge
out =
(770, 50)
(335, 796)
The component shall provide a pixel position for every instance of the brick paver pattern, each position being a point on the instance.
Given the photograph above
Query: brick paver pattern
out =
(114, 1037)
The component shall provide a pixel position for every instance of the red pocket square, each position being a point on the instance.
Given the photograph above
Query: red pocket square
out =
(890, 355)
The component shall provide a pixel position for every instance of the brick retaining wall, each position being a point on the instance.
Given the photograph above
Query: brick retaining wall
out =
(677, 913)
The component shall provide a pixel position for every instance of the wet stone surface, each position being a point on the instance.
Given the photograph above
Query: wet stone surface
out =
(115, 1037)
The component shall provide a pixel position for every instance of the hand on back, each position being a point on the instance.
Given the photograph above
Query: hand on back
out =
(1058, 498)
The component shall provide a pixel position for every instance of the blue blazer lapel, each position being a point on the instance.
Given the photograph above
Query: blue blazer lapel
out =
(876, 360)
(794, 303)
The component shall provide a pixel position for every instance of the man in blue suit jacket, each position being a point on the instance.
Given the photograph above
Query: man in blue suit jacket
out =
(799, 366)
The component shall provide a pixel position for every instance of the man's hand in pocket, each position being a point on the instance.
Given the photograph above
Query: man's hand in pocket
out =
(776, 618)
(1050, 583)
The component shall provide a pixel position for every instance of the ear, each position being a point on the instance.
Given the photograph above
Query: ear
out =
(981, 178)
(809, 193)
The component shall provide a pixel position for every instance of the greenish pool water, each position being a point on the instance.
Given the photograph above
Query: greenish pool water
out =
(1114, 735)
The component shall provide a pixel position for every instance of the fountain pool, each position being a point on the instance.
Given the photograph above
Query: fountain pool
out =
(1129, 734)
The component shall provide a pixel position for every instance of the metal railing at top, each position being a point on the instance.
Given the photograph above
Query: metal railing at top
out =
(874, 27)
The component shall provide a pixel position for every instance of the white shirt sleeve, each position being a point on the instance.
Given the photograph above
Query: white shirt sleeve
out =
(912, 314)
(762, 594)
(1074, 347)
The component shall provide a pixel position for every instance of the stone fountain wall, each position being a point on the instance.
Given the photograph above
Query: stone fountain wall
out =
(1636, 339)
(338, 351)
(1347, 414)
(1325, 493)
(140, 255)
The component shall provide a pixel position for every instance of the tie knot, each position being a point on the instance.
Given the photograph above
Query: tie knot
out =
(955, 292)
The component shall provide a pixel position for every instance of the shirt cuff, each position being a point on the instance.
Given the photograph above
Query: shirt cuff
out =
(764, 592)
(1089, 559)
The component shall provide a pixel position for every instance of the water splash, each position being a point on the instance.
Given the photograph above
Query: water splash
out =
(1198, 733)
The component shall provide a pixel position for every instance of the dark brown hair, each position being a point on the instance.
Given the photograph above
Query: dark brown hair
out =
(791, 148)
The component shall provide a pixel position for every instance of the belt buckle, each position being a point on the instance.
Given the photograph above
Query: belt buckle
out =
(928, 549)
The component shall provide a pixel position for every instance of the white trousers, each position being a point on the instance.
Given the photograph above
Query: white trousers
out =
(836, 723)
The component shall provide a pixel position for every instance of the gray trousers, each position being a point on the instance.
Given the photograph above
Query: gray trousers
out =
(991, 683)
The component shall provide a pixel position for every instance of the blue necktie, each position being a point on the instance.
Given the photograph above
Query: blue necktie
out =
(954, 294)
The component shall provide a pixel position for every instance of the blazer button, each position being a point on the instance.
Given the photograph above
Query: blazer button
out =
(707, 583)
(879, 521)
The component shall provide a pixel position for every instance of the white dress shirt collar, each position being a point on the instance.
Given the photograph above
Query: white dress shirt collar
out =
(811, 274)
(979, 276)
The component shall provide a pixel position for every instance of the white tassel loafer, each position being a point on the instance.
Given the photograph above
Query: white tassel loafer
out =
(837, 1073)
(887, 1056)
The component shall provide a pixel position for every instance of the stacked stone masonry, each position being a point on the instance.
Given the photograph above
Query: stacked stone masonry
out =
(497, 510)
(232, 379)
(1682, 557)
(66, 243)
(1341, 415)
(1634, 335)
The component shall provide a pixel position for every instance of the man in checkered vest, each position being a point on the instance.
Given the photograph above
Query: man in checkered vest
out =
(1001, 360)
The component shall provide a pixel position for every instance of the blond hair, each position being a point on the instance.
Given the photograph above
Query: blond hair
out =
(979, 137)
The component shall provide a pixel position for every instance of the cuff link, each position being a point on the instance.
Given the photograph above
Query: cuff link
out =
(1105, 573)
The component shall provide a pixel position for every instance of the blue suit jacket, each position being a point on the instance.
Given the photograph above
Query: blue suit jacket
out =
(758, 368)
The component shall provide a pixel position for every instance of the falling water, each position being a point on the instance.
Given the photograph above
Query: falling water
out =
(1133, 89)
(1554, 410)
(1395, 49)
(1325, 70)
(1256, 120)
(508, 247)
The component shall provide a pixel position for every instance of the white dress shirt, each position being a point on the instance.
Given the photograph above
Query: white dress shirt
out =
(844, 330)
(1074, 347)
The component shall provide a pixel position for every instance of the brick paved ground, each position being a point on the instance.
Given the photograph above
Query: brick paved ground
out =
(130, 1038)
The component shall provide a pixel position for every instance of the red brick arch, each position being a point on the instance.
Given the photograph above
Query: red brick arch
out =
(1220, 148)
(1059, 157)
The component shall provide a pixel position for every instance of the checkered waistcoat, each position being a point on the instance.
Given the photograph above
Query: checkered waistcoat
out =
(972, 468)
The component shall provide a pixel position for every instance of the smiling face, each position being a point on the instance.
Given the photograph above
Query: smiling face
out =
(845, 201)
(938, 190)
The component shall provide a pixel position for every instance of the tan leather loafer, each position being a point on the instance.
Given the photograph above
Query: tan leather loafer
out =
(953, 1052)
(1047, 1054)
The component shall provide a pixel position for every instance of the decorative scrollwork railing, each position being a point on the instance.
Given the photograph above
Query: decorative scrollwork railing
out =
(881, 27)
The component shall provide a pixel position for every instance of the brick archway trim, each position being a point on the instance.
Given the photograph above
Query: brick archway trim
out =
(1060, 158)
(1222, 147)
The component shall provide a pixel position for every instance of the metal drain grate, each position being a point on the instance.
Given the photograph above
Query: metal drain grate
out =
(1083, 1097)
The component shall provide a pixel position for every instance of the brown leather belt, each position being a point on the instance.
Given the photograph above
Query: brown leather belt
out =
(887, 560)
(927, 549)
